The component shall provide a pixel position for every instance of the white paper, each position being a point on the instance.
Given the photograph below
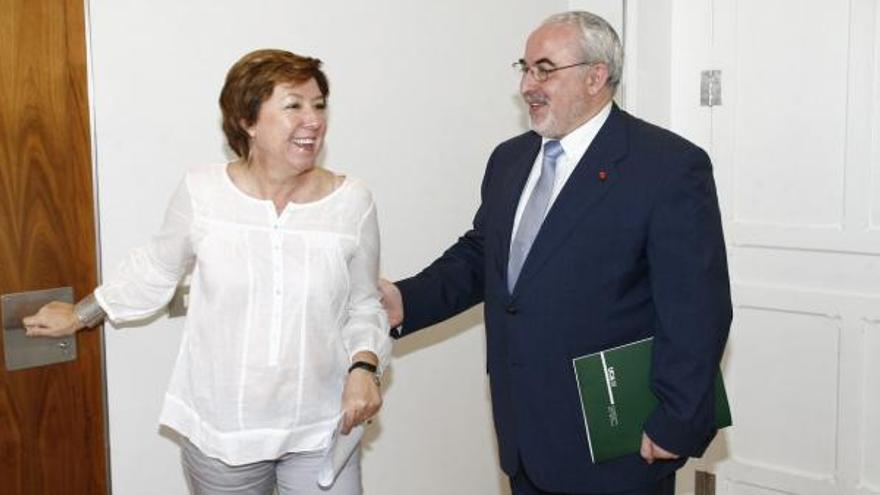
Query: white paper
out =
(338, 452)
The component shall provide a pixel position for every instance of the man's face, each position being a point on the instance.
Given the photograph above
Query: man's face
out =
(567, 98)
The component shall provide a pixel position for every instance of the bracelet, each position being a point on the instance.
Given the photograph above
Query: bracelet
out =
(368, 367)
(88, 311)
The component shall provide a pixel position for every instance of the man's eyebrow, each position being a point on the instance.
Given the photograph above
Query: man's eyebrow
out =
(544, 60)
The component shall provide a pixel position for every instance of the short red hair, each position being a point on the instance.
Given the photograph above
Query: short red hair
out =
(251, 81)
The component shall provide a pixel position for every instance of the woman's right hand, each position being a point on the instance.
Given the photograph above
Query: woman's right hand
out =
(56, 319)
(361, 399)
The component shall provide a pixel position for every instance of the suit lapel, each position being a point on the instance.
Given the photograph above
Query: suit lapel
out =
(595, 174)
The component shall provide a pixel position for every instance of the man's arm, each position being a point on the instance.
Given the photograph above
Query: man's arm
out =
(691, 291)
(450, 285)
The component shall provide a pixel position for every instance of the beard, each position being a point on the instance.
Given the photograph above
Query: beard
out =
(547, 127)
(557, 123)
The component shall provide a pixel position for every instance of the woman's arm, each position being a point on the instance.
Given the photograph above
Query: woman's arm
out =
(365, 333)
(143, 284)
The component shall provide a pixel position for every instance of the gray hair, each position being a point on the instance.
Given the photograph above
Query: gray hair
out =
(599, 41)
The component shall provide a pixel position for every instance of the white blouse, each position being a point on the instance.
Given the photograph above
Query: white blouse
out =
(278, 305)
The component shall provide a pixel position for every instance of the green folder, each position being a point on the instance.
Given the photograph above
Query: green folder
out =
(616, 398)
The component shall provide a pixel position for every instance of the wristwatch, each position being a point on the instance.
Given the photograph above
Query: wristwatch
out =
(368, 367)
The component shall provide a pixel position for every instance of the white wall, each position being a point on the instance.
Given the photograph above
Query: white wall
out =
(421, 92)
(648, 67)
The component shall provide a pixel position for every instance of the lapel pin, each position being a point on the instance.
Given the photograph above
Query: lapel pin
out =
(603, 175)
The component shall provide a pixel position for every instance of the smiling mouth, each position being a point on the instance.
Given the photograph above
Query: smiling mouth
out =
(535, 102)
(305, 143)
(536, 108)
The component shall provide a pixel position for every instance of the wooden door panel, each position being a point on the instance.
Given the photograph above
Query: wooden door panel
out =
(10, 443)
(52, 437)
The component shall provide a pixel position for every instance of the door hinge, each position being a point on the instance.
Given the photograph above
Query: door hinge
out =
(710, 88)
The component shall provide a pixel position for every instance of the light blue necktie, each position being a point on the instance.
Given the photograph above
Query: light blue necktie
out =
(534, 213)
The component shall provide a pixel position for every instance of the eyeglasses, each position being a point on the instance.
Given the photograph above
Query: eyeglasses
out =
(542, 73)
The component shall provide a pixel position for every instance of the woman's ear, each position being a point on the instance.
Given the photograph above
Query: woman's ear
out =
(250, 129)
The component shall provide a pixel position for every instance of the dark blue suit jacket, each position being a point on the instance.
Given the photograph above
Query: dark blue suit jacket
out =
(632, 247)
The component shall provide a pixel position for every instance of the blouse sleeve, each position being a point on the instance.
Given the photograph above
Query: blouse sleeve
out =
(367, 325)
(147, 277)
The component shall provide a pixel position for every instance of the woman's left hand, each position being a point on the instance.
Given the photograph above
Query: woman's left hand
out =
(361, 399)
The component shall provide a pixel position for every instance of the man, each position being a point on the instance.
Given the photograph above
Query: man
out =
(596, 229)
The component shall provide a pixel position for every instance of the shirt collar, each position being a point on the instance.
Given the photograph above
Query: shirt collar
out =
(576, 142)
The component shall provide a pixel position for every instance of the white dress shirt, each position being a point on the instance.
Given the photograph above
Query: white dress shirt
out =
(574, 145)
(278, 305)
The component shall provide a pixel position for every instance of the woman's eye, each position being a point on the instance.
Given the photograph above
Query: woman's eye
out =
(292, 105)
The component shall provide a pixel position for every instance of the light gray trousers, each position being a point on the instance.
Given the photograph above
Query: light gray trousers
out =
(292, 474)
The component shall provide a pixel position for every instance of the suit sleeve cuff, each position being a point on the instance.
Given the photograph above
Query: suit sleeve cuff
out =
(676, 436)
(411, 315)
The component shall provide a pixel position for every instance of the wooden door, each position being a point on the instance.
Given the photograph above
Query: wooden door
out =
(52, 427)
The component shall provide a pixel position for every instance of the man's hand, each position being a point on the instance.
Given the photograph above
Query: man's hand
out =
(651, 452)
(55, 319)
(392, 301)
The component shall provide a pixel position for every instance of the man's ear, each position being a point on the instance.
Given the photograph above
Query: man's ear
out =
(597, 78)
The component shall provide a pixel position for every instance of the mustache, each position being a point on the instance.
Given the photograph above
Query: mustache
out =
(535, 97)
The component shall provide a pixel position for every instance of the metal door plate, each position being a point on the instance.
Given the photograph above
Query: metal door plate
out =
(22, 352)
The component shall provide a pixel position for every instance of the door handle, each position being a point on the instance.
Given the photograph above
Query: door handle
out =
(22, 352)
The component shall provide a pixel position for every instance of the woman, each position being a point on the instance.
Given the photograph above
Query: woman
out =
(285, 328)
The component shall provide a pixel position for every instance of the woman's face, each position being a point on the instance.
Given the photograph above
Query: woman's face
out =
(290, 127)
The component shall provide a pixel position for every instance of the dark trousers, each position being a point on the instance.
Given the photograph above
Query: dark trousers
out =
(522, 485)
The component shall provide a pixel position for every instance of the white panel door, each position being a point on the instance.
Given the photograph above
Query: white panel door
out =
(796, 147)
